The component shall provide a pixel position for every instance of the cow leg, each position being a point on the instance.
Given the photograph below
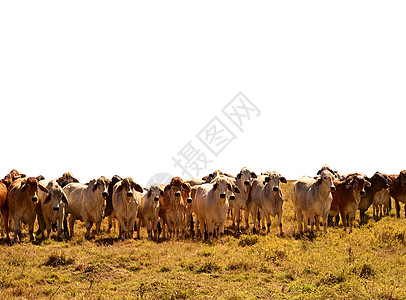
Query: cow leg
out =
(299, 218)
(312, 220)
(16, 227)
(317, 222)
(397, 208)
(47, 226)
(351, 220)
(344, 219)
(280, 223)
(31, 229)
(4, 220)
(247, 216)
(268, 222)
(155, 229)
(237, 218)
(72, 220)
(255, 215)
(121, 228)
(98, 225)
(139, 229)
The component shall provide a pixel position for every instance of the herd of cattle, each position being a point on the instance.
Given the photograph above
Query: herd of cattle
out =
(193, 206)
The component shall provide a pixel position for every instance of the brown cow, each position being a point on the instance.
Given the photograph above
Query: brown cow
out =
(22, 202)
(173, 206)
(4, 184)
(398, 190)
(347, 196)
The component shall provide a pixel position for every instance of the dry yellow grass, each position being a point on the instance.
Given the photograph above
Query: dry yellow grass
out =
(369, 263)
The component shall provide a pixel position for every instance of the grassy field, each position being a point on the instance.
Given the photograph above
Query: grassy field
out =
(367, 264)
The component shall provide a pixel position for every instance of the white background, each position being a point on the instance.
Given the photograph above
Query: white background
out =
(119, 87)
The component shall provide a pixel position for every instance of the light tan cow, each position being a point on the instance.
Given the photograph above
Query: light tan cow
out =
(211, 204)
(87, 202)
(148, 211)
(126, 198)
(313, 197)
(22, 204)
(243, 182)
(267, 196)
(380, 204)
(52, 207)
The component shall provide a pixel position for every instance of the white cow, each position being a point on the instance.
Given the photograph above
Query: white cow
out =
(126, 198)
(52, 207)
(87, 203)
(211, 204)
(267, 196)
(148, 211)
(313, 197)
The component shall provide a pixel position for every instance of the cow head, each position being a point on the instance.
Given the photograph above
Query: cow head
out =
(274, 178)
(224, 188)
(129, 186)
(155, 192)
(66, 178)
(378, 181)
(178, 191)
(326, 179)
(58, 198)
(31, 186)
(357, 182)
(402, 178)
(246, 176)
(101, 185)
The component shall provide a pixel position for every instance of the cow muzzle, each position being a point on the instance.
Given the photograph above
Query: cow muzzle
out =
(55, 208)
(403, 183)
(34, 199)
(177, 194)
(246, 182)
(275, 188)
(105, 194)
(222, 195)
(189, 200)
(156, 198)
(129, 194)
(387, 185)
(333, 188)
(362, 193)
(232, 197)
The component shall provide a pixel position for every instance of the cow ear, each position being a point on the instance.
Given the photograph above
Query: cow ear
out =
(267, 179)
(204, 178)
(215, 186)
(367, 183)
(119, 186)
(23, 186)
(138, 188)
(229, 187)
(161, 192)
(149, 193)
(167, 188)
(42, 188)
(239, 176)
(186, 187)
(350, 184)
(253, 175)
(47, 198)
(283, 180)
(318, 181)
(236, 190)
(94, 188)
(228, 175)
(397, 179)
(64, 199)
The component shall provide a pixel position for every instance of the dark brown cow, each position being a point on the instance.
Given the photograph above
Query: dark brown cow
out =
(22, 203)
(347, 197)
(378, 182)
(398, 190)
(66, 178)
